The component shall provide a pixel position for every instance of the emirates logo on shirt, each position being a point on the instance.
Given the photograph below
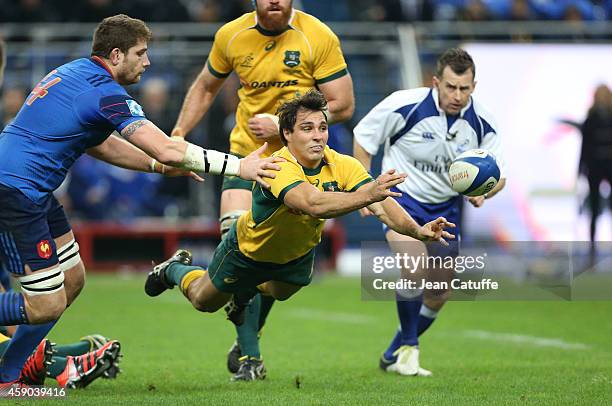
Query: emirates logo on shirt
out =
(44, 249)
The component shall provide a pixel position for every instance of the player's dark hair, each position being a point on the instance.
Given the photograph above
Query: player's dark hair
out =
(119, 31)
(313, 100)
(458, 60)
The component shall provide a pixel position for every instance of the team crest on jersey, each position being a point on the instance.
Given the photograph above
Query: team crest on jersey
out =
(331, 186)
(44, 249)
(292, 58)
(135, 108)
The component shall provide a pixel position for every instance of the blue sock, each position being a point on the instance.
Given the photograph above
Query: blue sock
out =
(12, 309)
(22, 344)
(408, 312)
(395, 344)
(426, 318)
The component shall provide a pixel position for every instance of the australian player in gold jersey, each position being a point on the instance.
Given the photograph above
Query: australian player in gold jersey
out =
(277, 52)
(270, 248)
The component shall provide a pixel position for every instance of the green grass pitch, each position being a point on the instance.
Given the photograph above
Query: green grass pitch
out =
(322, 347)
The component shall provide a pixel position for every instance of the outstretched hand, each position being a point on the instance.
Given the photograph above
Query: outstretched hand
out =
(380, 189)
(253, 167)
(435, 231)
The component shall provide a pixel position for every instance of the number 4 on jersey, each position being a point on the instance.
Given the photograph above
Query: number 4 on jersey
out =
(42, 88)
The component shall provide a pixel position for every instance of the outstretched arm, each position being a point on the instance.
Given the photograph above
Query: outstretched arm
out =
(308, 199)
(181, 154)
(392, 214)
(116, 151)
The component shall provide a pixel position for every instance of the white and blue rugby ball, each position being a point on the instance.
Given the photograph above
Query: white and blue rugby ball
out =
(474, 173)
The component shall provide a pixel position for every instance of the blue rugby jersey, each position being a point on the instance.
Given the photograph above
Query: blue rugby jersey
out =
(75, 107)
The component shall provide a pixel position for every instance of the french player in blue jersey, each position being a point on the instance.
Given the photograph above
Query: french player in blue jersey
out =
(74, 110)
(423, 130)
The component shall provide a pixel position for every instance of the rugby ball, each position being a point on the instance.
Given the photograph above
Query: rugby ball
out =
(474, 173)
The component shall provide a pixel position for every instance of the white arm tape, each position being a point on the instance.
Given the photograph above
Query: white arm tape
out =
(42, 283)
(210, 161)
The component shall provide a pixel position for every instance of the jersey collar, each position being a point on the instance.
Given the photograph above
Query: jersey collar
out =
(435, 96)
(99, 61)
(268, 33)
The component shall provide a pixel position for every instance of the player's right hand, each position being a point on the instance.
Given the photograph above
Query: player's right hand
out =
(252, 167)
(380, 189)
(263, 127)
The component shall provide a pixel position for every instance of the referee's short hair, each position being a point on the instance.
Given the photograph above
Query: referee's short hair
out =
(458, 60)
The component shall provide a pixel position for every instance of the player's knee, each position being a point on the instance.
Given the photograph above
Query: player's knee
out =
(204, 306)
(435, 299)
(47, 310)
(228, 219)
(45, 295)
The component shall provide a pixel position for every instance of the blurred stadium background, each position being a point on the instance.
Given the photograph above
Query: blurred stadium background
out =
(538, 63)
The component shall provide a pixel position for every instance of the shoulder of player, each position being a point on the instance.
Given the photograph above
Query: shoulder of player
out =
(310, 25)
(335, 158)
(402, 98)
(229, 29)
(290, 160)
(482, 112)
(408, 96)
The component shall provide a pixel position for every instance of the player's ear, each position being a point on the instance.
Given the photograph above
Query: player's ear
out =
(435, 81)
(115, 56)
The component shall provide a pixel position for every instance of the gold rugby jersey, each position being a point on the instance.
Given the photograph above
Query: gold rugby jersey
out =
(269, 232)
(273, 67)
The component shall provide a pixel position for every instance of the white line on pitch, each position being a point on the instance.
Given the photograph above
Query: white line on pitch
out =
(336, 317)
(525, 339)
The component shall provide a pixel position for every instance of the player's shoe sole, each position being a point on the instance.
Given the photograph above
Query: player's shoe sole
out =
(156, 282)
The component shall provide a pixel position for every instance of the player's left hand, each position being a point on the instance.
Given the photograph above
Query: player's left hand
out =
(263, 127)
(173, 172)
(435, 231)
(476, 201)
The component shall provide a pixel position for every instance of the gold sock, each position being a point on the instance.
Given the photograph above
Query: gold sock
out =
(190, 277)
